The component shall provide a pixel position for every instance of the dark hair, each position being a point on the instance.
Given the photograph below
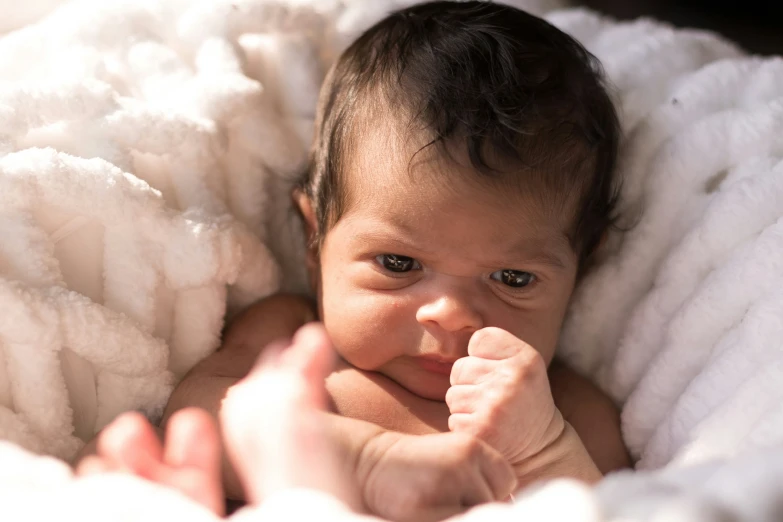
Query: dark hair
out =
(488, 77)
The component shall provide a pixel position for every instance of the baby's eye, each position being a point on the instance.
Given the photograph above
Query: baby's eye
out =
(395, 263)
(513, 278)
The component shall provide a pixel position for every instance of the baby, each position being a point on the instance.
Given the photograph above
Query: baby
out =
(461, 180)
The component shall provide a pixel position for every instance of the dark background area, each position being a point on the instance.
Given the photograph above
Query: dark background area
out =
(757, 25)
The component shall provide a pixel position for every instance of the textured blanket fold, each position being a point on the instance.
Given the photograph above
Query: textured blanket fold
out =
(147, 153)
(748, 489)
(678, 320)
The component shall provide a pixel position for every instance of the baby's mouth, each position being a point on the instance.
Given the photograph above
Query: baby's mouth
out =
(435, 364)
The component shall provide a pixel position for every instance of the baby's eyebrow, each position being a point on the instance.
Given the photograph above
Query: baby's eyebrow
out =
(537, 252)
(548, 258)
(386, 238)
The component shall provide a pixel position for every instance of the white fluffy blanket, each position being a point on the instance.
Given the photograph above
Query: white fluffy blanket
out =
(747, 489)
(147, 150)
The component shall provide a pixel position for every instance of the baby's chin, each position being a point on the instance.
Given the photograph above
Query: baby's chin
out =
(424, 384)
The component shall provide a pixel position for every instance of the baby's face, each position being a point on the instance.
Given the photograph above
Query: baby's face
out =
(423, 258)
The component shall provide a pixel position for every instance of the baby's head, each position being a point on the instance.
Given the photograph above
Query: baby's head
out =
(461, 178)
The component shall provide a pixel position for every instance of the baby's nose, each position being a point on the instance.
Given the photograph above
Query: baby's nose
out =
(450, 312)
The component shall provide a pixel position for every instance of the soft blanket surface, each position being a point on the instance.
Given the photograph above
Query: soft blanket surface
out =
(147, 152)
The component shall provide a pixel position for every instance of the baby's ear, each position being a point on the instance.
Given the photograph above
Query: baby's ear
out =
(305, 207)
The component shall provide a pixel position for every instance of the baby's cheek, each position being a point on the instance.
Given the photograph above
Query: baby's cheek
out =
(541, 332)
(365, 329)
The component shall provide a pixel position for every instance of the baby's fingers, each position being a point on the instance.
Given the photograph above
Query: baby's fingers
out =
(498, 473)
(464, 398)
(472, 370)
(496, 344)
(464, 423)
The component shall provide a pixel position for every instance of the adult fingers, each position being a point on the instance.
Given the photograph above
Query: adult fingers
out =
(131, 443)
(313, 349)
(312, 356)
(192, 457)
(93, 465)
(270, 356)
(432, 514)
(192, 440)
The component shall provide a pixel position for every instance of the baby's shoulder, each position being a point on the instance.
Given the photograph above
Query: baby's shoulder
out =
(572, 391)
(593, 414)
(276, 316)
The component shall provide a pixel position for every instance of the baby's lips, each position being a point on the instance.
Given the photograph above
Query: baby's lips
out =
(435, 365)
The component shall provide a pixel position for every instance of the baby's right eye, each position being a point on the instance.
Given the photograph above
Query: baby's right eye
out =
(397, 263)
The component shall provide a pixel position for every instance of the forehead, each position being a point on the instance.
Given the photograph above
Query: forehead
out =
(394, 180)
(390, 166)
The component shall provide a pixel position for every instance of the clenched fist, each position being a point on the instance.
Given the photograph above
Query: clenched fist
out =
(500, 393)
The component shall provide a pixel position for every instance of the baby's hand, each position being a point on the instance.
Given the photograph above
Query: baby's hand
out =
(426, 478)
(500, 393)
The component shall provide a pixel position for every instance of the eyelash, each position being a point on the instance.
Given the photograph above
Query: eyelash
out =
(408, 264)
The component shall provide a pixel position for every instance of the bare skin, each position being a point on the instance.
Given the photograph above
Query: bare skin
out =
(367, 404)
(275, 439)
(383, 402)
(444, 294)
(186, 458)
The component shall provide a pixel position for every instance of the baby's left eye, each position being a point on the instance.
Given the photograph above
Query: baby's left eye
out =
(397, 263)
(513, 278)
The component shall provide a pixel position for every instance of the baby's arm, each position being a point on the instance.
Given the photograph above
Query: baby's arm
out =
(593, 415)
(502, 394)
(276, 318)
(444, 473)
(592, 419)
